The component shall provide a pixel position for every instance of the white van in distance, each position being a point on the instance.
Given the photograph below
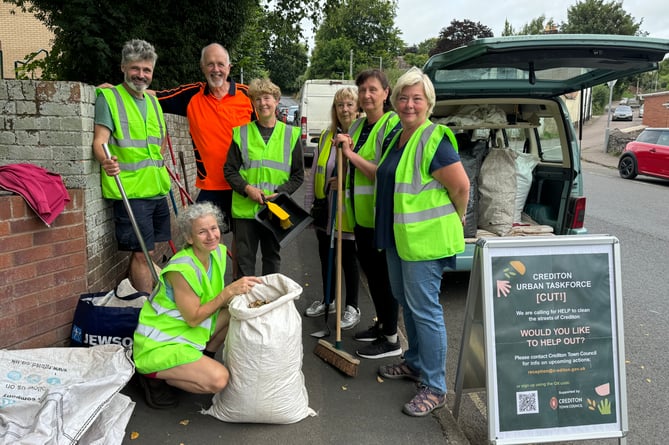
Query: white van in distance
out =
(315, 105)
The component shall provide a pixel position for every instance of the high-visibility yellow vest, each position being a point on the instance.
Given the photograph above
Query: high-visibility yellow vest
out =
(360, 207)
(162, 338)
(320, 181)
(264, 165)
(426, 224)
(137, 145)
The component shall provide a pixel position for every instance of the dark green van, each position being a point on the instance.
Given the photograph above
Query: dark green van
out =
(525, 94)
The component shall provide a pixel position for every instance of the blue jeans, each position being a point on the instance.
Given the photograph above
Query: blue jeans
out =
(416, 286)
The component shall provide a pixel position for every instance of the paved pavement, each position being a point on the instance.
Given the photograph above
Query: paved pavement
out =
(592, 144)
(358, 410)
(351, 410)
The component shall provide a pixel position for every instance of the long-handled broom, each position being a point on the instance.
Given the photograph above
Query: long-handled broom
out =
(334, 354)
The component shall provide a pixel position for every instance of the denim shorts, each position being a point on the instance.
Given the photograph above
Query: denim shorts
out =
(153, 219)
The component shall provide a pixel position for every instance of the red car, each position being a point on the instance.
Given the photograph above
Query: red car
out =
(648, 155)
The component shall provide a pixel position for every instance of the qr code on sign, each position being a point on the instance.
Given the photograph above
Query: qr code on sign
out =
(527, 402)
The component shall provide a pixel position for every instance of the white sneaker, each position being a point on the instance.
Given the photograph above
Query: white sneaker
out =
(317, 309)
(350, 318)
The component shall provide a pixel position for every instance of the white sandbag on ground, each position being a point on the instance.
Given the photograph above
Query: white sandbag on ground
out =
(58, 395)
(263, 352)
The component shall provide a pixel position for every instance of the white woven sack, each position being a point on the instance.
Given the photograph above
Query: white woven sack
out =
(525, 163)
(65, 396)
(497, 191)
(263, 352)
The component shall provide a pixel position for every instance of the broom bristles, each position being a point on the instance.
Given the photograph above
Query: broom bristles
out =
(341, 360)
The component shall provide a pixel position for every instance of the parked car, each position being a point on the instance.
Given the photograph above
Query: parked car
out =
(641, 111)
(623, 113)
(289, 115)
(647, 155)
(506, 93)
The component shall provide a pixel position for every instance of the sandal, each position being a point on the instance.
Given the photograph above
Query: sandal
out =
(424, 402)
(399, 371)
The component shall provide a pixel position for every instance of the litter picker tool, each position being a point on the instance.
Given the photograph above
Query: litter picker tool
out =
(328, 282)
(183, 192)
(133, 221)
(334, 354)
(175, 178)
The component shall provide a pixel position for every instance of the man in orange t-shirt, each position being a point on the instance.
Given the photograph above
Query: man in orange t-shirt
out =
(213, 109)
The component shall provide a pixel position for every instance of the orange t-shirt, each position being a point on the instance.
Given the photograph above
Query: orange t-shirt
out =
(211, 122)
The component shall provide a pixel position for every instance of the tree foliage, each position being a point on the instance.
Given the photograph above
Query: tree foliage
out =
(284, 55)
(600, 17)
(459, 33)
(366, 27)
(417, 55)
(89, 35)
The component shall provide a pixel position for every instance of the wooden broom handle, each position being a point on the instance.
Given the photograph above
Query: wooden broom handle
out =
(340, 199)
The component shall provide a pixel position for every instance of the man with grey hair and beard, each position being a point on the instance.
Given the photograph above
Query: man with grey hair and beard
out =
(131, 123)
(213, 109)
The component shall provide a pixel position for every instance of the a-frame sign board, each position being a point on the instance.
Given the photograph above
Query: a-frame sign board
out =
(543, 335)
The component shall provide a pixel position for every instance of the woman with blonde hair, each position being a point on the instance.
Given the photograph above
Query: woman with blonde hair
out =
(421, 196)
(320, 196)
(265, 159)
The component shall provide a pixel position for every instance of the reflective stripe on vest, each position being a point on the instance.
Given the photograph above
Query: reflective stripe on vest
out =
(426, 225)
(324, 149)
(137, 144)
(126, 140)
(362, 206)
(265, 165)
(416, 187)
(158, 324)
(320, 182)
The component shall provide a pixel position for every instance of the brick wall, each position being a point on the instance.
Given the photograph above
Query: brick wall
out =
(43, 270)
(655, 113)
(20, 34)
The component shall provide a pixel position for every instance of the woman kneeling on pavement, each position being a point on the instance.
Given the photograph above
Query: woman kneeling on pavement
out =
(421, 198)
(183, 326)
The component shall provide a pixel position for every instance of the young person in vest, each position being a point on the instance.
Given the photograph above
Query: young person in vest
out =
(264, 159)
(362, 147)
(182, 327)
(132, 124)
(421, 198)
(322, 188)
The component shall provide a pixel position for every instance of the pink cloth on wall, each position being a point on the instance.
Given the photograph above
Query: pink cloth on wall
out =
(43, 190)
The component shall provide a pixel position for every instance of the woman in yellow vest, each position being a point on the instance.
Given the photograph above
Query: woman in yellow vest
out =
(265, 159)
(321, 190)
(421, 198)
(362, 147)
(185, 322)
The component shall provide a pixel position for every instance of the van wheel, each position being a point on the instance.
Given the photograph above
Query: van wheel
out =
(627, 167)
